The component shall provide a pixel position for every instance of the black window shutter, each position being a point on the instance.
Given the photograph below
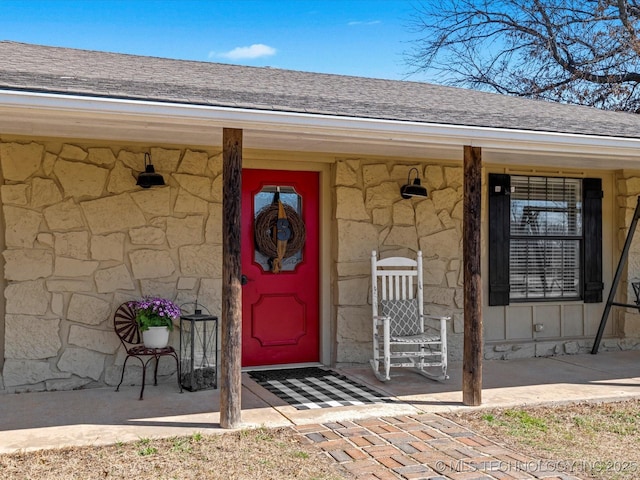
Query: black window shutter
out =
(499, 233)
(592, 225)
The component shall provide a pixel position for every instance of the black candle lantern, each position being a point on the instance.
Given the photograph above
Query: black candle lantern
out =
(198, 348)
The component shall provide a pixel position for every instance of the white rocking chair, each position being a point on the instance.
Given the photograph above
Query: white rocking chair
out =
(401, 335)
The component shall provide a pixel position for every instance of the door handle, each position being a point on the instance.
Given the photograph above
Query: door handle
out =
(244, 280)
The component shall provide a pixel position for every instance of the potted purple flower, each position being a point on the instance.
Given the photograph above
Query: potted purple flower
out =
(155, 317)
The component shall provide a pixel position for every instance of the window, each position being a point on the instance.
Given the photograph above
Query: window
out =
(265, 198)
(545, 239)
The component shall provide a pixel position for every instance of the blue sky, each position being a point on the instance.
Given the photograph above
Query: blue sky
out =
(348, 37)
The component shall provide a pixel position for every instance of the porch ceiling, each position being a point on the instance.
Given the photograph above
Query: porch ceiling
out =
(95, 118)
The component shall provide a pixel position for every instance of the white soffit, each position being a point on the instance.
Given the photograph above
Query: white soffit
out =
(35, 114)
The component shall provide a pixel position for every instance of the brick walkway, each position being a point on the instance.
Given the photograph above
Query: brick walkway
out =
(426, 447)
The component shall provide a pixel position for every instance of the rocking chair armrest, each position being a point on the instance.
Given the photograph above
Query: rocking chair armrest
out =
(442, 319)
(381, 319)
(438, 317)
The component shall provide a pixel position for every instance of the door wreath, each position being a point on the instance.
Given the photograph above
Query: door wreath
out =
(279, 232)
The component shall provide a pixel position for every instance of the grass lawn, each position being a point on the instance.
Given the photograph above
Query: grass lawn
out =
(260, 454)
(588, 440)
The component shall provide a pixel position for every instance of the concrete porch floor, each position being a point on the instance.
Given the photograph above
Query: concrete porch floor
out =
(100, 416)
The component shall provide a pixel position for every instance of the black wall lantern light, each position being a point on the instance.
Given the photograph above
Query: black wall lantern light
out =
(149, 178)
(414, 189)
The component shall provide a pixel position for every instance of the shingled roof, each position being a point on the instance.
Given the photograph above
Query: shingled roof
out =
(43, 69)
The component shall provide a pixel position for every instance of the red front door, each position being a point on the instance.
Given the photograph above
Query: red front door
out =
(280, 311)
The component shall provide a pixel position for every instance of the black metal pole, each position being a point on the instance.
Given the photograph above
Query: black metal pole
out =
(616, 278)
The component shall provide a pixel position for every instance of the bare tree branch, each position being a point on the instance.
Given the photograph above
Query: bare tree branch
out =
(572, 51)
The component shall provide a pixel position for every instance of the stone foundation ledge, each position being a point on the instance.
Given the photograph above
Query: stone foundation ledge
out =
(550, 348)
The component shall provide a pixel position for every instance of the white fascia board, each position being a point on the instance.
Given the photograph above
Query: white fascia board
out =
(137, 113)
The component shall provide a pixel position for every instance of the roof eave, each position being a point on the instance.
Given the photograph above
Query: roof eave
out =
(75, 116)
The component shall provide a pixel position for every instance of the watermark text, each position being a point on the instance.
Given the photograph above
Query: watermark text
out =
(537, 466)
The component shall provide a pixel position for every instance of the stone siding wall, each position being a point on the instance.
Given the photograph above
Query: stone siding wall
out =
(628, 320)
(371, 215)
(81, 238)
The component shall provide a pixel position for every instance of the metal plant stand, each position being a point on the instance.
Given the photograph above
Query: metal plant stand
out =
(198, 351)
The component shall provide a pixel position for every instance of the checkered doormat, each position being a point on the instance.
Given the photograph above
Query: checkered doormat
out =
(308, 388)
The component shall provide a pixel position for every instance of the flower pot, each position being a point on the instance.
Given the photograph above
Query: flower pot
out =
(156, 337)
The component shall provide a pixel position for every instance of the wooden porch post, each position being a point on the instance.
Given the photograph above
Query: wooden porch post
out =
(231, 328)
(472, 356)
